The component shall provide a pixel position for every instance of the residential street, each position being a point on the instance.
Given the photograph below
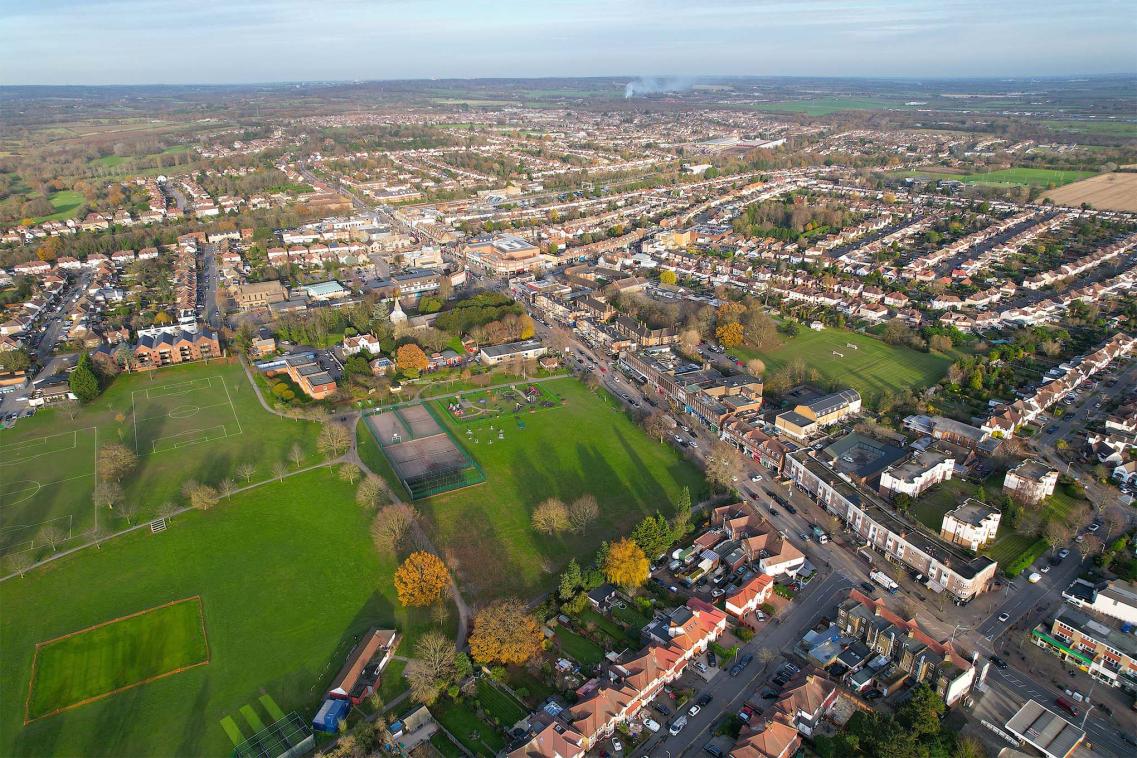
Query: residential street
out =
(818, 599)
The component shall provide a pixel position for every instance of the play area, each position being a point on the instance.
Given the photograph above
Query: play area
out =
(45, 488)
(174, 415)
(501, 401)
(426, 459)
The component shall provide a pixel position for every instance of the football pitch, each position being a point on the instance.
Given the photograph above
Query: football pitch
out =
(45, 483)
(172, 416)
(93, 663)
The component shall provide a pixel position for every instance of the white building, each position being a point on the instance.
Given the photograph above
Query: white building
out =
(914, 476)
(973, 524)
(1031, 481)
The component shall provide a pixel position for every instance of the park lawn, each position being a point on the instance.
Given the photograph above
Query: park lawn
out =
(65, 203)
(127, 652)
(872, 369)
(586, 446)
(252, 435)
(1034, 177)
(288, 578)
(480, 737)
(499, 705)
(1008, 546)
(1059, 505)
(582, 650)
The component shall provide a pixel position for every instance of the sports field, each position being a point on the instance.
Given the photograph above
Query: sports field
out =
(871, 368)
(199, 422)
(586, 446)
(288, 577)
(113, 656)
(45, 483)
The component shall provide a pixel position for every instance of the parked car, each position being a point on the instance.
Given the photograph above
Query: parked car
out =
(1004, 617)
(736, 669)
(868, 587)
(694, 710)
(999, 662)
(704, 699)
(661, 709)
(1063, 554)
(650, 724)
(713, 749)
(873, 694)
(617, 746)
(712, 660)
(790, 509)
(677, 725)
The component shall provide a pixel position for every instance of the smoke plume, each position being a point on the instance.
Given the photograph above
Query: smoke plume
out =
(652, 85)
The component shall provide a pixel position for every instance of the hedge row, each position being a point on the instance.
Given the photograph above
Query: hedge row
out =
(1027, 557)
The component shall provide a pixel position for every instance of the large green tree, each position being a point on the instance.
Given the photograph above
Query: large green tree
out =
(84, 382)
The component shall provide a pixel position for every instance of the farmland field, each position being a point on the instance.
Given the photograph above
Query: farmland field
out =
(288, 576)
(1116, 192)
(826, 105)
(105, 659)
(197, 421)
(586, 446)
(871, 368)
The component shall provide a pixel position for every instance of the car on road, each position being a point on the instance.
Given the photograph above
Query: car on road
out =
(756, 478)
(651, 724)
(704, 699)
(694, 710)
(773, 511)
(999, 662)
(1004, 617)
(868, 587)
(1063, 554)
(736, 669)
(791, 509)
(1093, 528)
(677, 725)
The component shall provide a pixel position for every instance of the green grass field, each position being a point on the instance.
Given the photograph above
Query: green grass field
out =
(461, 720)
(288, 577)
(582, 650)
(128, 652)
(1035, 177)
(874, 367)
(500, 705)
(65, 202)
(1111, 128)
(586, 446)
(196, 421)
(826, 105)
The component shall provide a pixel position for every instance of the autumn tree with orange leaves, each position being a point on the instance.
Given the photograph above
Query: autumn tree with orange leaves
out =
(421, 579)
(505, 633)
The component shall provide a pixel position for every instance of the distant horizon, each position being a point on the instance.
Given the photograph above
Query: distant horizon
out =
(618, 78)
(216, 42)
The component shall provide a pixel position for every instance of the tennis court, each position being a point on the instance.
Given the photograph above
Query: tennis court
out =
(425, 457)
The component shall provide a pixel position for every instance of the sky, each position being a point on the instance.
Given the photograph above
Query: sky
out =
(240, 41)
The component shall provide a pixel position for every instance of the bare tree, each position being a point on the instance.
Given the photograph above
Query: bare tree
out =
(1057, 532)
(1115, 520)
(296, 454)
(115, 461)
(203, 497)
(369, 493)
(333, 441)
(349, 473)
(279, 470)
(657, 425)
(391, 525)
(434, 666)
(127, 508)
(19, 563)
(1090, 545)
(52, 535)
(106, 494)
(765, 655)
(245, 471)
(583, 511)
(560, 339)
(188, 486)
(550, 516)
(168, 510)
(227, 488)
(723, 465)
